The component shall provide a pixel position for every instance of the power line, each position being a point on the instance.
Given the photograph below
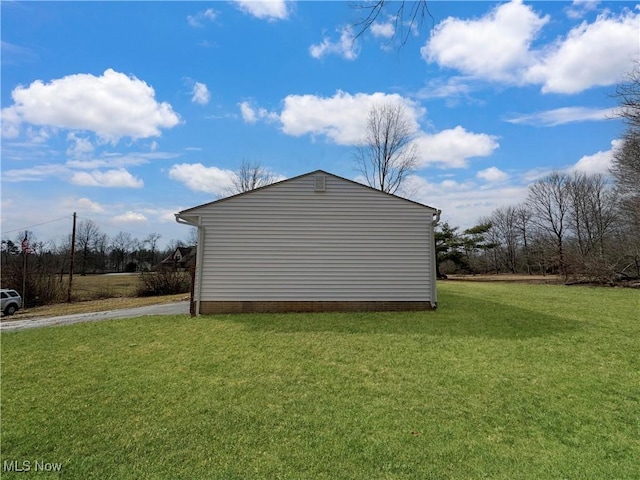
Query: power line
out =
(36, 225)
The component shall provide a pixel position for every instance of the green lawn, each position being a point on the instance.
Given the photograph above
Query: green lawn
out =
(502, 381)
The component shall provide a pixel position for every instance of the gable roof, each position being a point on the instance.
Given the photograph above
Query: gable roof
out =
(315, 172)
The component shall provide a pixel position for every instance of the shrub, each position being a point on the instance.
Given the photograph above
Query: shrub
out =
(163, 283)
(41, 288)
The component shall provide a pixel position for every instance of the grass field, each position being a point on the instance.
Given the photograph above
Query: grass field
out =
(502, 381)
(89, 287)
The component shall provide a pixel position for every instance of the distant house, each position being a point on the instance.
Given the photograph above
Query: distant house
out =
(180, 260)
(317, 242)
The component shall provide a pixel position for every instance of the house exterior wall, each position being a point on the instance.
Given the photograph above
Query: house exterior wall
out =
(288, 247)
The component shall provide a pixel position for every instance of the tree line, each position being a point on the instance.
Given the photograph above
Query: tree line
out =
(95, 251)
(571, 224)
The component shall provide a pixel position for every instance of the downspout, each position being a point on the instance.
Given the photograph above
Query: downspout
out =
(437, 219)
(434, 277)
(199, 256)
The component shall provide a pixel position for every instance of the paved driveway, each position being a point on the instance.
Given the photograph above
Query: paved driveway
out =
(164, 309)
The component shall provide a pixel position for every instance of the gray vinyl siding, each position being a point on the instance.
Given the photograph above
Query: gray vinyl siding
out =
(288, 242)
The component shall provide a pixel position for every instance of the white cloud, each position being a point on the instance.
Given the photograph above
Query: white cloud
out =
(130, 217)
(384, 30)
(248, 113)
(80, 147)
(493, 175)
(200, 93)
(560, 116)
(498, 47)
(10, 123)
(464, 203)
(341, 118)
(453, 147)
(199, 18)
(16, 54)
(252, 115)
(112, 106)
(599, 162)
(495, 46)
(199, 178)
(448, 88)
(346, 47)
(35, 174)
(86, 204)
(109, 178)
(591, 54)
(579, 8)
(264, 9)
(117, 160)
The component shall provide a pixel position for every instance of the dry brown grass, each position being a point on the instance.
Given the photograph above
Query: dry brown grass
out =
(90, 287)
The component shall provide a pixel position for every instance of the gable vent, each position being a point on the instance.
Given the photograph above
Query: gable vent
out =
(320, 185)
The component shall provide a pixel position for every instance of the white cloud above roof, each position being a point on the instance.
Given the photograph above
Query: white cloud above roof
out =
(500, 47)
(341, 118)
(200, 178)
(452, 148)
(112, 106)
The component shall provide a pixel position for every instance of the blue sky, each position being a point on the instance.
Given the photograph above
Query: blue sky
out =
(128, 112)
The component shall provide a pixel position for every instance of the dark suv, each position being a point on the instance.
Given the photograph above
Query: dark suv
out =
(11, 301)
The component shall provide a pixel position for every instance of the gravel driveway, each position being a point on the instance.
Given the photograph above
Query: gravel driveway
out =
(164, 309)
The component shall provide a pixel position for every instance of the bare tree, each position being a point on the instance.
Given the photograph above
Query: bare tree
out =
(101, 247)
(549, 201)
(628, 95)
(250, 176)
(87, 235)
(626, 168)
(504, 222)
(121, 245)
(387, 153)
(152, 241)
(192, 237)
(592, 212)
(404, 14)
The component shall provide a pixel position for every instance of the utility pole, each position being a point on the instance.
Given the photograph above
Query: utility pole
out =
(73, 253)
